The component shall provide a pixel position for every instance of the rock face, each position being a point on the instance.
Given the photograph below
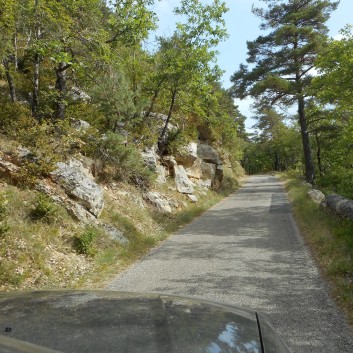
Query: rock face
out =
(150, 158)
(339, 205)
(183, 183)
(316, 195)
(195, 171)
(208, 171)
(79, 184)
(158, 201)
(194, 163)
(208, 154)
(187, 155)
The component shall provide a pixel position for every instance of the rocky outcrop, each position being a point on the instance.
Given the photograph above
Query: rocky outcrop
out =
(340, 206)
(317, 196)
(159, 201)
(76, 94)
(183, 183)
(187, 155)
(208, 154)
(79, 185)
(195, 171)
(7, 168)
(208, 171)
(150, 158)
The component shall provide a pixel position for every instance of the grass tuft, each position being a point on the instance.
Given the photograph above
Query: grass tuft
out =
(330, 240)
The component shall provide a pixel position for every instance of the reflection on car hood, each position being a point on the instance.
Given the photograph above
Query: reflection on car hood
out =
(88, 321)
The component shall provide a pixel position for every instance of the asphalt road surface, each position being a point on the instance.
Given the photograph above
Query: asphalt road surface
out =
(247, 251)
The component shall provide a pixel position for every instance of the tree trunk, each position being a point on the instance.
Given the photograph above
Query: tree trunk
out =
(276, 162)
(35, 92)
(161, 141)
(154, 98)
(60, 86)
(10, 81)
(318, 154)
(309, 165)
(153, 101)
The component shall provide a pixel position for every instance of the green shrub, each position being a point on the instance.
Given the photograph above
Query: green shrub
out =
(4, 227)
(44, 209)
(84, 242)
(120, 161)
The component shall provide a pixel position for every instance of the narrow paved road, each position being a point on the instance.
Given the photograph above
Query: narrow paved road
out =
(247, 251)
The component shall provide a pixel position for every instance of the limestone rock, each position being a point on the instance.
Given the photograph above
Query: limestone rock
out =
(206, 184)
(193, 198)
(187, 155)
(217, 181)
(59, 196)
(158, 201)
(114, 234)
(150, 158)
(80, 125)
(161, 175)
(208, 171)
(208, 154)
(183, 183)
(8, 168)
(195, 171)
(316, 195)
(339, 205)
(170, 163)
(80, 185)
(76, 94)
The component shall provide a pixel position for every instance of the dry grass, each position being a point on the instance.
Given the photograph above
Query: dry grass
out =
(42, 247)
(330, 240)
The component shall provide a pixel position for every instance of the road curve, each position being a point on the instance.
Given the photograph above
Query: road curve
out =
(247, 251)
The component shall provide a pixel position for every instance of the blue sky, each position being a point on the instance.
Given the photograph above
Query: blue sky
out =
(242, 25)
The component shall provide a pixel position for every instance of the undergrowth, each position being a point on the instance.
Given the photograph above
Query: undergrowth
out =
(42, 247)
(330, 239)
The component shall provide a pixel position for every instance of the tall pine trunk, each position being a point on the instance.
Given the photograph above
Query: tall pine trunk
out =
(10, 80)
(36, 65)
(162, 145)
(308, 160)
(35, 90)
(60, 86)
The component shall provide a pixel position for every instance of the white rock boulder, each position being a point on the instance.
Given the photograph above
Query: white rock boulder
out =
(183, 183)
(79, 184)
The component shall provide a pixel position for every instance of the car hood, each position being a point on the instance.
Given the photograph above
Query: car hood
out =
(90, 321)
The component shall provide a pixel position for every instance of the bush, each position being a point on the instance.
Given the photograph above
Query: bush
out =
(84, 242)
(4, 227)
(44, 209)
(120, 161)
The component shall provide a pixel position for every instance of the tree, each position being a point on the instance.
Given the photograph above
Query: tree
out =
(183, 61)
(283, 59)
(277, 138)
(334, 114)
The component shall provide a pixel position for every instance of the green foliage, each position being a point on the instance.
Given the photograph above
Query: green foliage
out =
(120, 160)
(114, 100)
(330, 240)
(283, 58)
(84, 242)
(332, 124)
(44, 209)
(4, 227)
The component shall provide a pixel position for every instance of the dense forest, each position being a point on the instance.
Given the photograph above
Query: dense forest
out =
(301, 81)
(86, 60)
(63, 62)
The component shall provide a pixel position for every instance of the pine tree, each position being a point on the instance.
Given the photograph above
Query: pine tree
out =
(283, 59)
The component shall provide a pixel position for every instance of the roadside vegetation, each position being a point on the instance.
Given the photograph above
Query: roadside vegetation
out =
(330, 240)
(301, 81)
(42, 247)
(89, 78)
